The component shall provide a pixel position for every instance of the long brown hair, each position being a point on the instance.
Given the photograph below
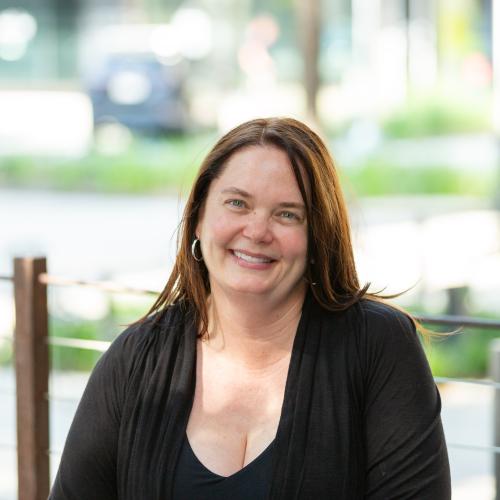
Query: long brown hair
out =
(331, 271)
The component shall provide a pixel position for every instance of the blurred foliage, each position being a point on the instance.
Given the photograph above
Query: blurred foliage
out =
(144, 166)
(121, 313)
(6, 351)
(464, 354)
(69, 358)
(439, 115)
(376, 177)
(170, 166)
(123, 310)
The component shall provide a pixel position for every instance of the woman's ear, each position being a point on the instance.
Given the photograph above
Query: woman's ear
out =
(197, 229)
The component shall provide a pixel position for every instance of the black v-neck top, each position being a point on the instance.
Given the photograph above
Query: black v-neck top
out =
(360, 416)
(194, 481)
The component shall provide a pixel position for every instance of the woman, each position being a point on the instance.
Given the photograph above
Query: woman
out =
(264, 370)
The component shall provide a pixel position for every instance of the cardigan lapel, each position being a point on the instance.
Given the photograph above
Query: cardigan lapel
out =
(318, 452)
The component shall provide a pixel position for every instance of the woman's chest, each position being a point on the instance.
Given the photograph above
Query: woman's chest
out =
(238, 402)
(235, 414)
(237, 395)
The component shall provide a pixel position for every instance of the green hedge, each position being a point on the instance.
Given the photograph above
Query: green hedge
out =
(465, 354)
(136, 174)
(146, 166)
(378, 178)
(439, 115)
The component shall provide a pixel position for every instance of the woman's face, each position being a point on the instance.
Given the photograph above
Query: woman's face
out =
(253, 227)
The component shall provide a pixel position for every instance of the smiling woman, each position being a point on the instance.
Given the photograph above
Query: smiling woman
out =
(264, 370)
(254, 220)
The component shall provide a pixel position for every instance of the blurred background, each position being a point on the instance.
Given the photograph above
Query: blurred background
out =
(107, 109)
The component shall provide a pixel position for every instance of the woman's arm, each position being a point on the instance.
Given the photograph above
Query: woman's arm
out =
(88, 464)
(405, 445)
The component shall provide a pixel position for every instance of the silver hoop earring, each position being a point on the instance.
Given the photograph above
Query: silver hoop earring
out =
(193, 251)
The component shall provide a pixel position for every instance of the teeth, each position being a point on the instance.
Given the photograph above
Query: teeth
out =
(248, 258)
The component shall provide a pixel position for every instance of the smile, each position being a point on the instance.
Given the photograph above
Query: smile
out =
(252, 259)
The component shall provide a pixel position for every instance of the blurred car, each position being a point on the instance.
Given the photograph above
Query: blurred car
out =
(138, 91)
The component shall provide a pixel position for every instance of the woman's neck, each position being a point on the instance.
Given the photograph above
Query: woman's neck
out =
(255, 332)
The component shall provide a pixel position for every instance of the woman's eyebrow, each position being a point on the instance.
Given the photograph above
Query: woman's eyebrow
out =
(235, 190)
(292, 204)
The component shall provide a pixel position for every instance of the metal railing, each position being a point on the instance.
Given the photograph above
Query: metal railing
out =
(31, 348)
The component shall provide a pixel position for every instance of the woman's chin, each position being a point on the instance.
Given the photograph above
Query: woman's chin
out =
(262, 290)
(248, 286)
(249, 289)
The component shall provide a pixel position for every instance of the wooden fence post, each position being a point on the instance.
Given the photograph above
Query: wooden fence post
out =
(32, 373)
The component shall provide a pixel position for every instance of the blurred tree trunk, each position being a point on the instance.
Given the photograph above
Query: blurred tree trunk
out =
(308, 14)
(66, 14)
(407, 21)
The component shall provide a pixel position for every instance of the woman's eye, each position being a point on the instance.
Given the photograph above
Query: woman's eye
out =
(236, 203)
(289, 215)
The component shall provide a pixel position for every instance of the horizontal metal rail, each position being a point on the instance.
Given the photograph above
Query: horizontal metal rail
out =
(49, 396)
(475, 447)
(93, 345)
(63, 399)
(467, 321)
(107, 286)
(487, 383)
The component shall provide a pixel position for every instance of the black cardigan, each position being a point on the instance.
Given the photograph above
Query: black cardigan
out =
(360, 417)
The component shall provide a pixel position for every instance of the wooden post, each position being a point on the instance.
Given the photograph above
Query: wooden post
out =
(32, 373)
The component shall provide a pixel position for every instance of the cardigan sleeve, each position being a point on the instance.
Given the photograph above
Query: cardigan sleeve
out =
(406, 456)
(88, 464)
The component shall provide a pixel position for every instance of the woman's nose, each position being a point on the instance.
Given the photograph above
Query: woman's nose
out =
(257, 228)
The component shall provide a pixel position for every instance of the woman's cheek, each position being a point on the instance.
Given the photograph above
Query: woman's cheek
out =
(295, 242)
(224, 228)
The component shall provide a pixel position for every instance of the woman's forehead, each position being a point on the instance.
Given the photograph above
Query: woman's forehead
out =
(259, 167)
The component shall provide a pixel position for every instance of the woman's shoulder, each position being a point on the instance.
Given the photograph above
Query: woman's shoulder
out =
(155, 329)
(132, 357)
(386, 334)
(381, 318)
(371, 325)
(371, 317)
